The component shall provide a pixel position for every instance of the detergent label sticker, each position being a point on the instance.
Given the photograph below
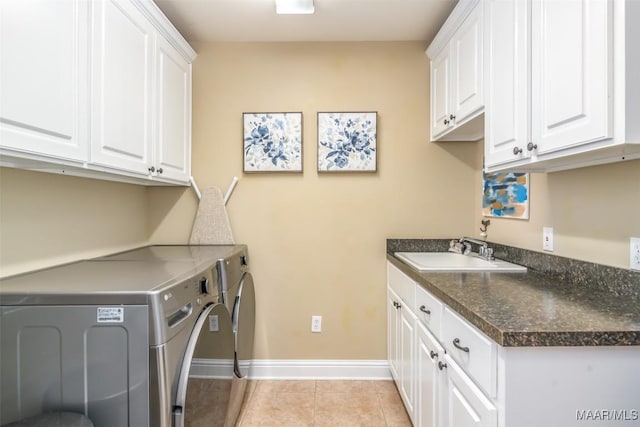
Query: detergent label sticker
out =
(110, 314)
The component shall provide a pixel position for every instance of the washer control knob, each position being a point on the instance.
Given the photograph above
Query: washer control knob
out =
(204, 285)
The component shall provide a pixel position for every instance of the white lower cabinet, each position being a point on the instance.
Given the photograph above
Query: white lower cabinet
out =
(431, 382)
(436, 392)
(402, 337)
(450, 374)
(465, 404)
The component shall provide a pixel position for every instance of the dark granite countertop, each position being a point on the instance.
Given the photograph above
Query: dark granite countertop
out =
(535, 308)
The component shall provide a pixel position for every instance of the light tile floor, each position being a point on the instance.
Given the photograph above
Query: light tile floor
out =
(323, 403)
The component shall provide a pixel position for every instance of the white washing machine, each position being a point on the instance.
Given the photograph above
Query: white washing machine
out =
(118, 340)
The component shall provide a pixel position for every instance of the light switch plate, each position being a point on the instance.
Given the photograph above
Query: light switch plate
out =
(634, 253)
(547, 239)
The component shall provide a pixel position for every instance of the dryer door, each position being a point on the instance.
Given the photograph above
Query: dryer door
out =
(244, 323)
(204, 383)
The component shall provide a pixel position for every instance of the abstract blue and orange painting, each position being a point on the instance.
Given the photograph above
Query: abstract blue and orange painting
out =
(506, 194)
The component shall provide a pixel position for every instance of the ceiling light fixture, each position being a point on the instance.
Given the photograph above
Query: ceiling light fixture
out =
(295, 7)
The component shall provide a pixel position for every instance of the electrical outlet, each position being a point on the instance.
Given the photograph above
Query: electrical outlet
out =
(547, 239)
(634, 253)
(316, 323)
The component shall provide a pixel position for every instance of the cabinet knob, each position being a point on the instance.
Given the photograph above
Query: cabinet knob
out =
(152, 169)
(433, 354)
(424, 309)
(517, 150)
(446, 122)
(160, 170)
(452, 117)
(441, 365)
(531, 146)
(456, 344)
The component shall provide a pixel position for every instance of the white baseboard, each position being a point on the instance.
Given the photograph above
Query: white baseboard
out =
(320, 369)
(287, 369)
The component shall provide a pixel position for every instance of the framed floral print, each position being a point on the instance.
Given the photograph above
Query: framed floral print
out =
(347, 142)
(272, 142)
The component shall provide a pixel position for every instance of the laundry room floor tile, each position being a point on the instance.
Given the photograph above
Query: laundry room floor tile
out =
(330, 403)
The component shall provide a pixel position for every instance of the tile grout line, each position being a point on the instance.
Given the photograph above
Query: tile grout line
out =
(315, 403)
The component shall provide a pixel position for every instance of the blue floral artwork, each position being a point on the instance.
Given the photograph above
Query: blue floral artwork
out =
(272, 142)
(506, 194)
(347, 142)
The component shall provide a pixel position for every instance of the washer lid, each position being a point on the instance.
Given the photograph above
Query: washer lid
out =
(188, 253)
(95, 282)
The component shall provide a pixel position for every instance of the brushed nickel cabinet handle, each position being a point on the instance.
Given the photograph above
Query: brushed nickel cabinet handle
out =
(456, 344)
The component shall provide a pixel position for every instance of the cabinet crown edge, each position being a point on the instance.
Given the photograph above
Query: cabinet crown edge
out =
(165, 27)
(455, 19)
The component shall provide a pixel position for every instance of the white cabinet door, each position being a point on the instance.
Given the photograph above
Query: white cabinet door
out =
(393, 320)
(571, 78)
(466, 405)
(43, 77)
(407, 358)
(507, 72)
(172, 148)
(440, 95)
(457, 75)
(430, 380)
(466, 68)
(122, 61)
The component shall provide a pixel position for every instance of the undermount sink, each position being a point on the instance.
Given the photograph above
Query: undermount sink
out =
(449, 261)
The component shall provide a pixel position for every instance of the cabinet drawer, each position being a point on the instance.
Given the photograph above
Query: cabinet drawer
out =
(401, 285)
(429, 310)
(471, 349)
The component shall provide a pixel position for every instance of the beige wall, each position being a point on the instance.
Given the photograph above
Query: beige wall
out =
(593, 211)
(317, 242)
(48, 219)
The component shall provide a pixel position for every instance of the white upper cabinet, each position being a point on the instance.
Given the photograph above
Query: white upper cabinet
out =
(457, 75)
(466, 66)
(507, 71)
(100, 89)
(571, 45)
(172, 152)
(43, 78)
(440, 94)
(559, 90)
(122, 65)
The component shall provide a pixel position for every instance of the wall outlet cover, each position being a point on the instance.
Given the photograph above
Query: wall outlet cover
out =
(316, 323)
(634, 253)
(547, 239)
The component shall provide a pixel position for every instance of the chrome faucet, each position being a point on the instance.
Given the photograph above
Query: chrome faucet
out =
(463, 246)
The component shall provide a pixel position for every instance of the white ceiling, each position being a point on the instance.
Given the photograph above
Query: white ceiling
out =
(334, 20)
